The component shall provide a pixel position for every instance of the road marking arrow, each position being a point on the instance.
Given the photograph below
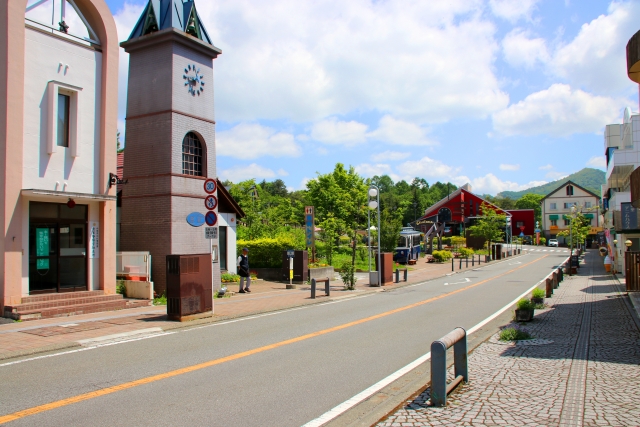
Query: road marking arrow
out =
(466, 280)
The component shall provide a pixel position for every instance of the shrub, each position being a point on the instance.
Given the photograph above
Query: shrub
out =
(267, 252)
(229, 277)
(121, 288)
(514, 333)
(538, 293)
(348, 276)
(524, 304)
(458, 241)
(161, 300)
(543, 241)
(465, 252)
(441, 256)
(446, 241)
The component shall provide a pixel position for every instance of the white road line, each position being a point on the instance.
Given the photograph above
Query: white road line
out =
(86, 348)
(120, 336)
(466, 280)
(350, 403)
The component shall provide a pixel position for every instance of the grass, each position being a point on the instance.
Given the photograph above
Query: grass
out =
(514, 333)
(161, 300)
(538, 293)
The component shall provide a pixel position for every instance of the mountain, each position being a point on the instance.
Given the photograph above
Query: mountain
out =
(589, 178)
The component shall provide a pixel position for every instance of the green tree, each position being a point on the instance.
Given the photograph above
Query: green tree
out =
(490, 225)
(531, 201)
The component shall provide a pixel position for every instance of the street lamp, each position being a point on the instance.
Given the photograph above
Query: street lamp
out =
(374, 203)
(573, 210)
(628, 243)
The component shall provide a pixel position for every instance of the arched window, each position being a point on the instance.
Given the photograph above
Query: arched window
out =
(192, 155)
(569, 190)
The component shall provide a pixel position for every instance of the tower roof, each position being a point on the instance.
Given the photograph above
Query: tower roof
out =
(162, 14)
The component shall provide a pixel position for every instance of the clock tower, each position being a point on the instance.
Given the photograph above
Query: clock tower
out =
(170, 135)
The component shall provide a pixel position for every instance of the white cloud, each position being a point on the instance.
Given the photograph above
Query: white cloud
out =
(332, 131)
(303, 183)
(408, 59)
(282, 172)
(426, 167)
(241, 173)
(400, 132)
(557, 111)
(369, 170)
(554, 176)
(389, 156)
(522, 51)
(250, 141)
(597, 162)
(507, 167)
(513, 10)
(491, 184)
(546, 167)
(596, 58)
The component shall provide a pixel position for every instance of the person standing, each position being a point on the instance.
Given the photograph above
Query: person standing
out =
(243, 271)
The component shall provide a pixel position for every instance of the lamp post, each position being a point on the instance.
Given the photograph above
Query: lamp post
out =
(573, 210)
(374, 203)
(628, 244)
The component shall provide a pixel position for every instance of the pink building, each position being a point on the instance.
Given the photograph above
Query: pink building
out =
(58, 124)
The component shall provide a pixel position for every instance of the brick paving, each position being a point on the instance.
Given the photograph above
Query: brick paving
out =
(587, 373)
(30, 337)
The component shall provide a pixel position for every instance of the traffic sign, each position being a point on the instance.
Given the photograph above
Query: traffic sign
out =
(211, 218)
(290, 253)
(195, 219)
(211, 202)
(211, 233)
(537, 230)
(210, 186)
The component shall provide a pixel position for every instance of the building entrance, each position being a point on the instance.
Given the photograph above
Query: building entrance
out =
(58, 247)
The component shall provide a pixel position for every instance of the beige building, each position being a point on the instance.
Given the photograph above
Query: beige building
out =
(58, 123)
(557, 205)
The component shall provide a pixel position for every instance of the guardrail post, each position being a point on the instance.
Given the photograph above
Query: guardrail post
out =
(397, 275)
(452, 267)
(439, 388)
(313, 288)
(466, 261)
(327, 288)
(406, 274)
(460, 266)
(438, 373)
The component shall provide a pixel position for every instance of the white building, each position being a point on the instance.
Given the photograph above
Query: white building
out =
(556, 210)
(622, 153)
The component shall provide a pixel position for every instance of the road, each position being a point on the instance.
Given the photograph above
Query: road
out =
(279, 369)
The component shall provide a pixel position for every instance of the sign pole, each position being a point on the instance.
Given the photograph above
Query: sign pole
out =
(310, 232)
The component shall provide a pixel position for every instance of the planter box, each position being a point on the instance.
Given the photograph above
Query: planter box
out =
(524, 315)
(537, 300)
(138, 289)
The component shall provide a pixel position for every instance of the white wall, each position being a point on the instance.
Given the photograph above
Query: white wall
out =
(43, 56)
(229, 220)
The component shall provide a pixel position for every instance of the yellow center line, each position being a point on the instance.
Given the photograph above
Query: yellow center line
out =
(192, 368)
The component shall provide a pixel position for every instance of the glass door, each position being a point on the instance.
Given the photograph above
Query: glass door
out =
(73, 257)
(43, 258)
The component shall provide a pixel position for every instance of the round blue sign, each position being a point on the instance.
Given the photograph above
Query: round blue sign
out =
(195, 219)
(211, 219)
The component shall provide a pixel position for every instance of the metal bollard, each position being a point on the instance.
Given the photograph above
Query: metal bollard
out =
(327, 288)
(473, 260)
(313, 288)
(397, 275)
(452, 267)
(439, 388)
(460, 264)
(466, 261)
(548, 288)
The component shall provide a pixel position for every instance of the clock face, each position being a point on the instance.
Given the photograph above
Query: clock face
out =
(193, 80)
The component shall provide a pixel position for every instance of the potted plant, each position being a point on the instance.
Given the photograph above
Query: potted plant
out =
(524, 310)
(537, 296)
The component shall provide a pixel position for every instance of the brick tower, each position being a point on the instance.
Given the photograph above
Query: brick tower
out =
(170, 139)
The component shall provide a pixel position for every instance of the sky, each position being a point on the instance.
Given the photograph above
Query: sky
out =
(503, 94)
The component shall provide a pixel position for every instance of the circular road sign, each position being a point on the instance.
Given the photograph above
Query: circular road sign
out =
(211, 218)
(211, 202)
(210, 186)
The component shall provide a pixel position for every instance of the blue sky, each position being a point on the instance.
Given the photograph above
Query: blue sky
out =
(504, 94)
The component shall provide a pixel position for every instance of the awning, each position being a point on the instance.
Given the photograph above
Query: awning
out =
(553, 216)
(65, 195)
(588, 216)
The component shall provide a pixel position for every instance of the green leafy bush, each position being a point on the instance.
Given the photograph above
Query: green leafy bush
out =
(538, 293)
(543, 241)
(446, 241)
(458, 241)
(441, 256)
(465, 252)
(525, 304)
(267, 252)
(229, 277)
(121, 288)
(161, 300)
(514, 334)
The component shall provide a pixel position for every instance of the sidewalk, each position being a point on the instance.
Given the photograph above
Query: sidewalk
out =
(37, 336)
(582, 369)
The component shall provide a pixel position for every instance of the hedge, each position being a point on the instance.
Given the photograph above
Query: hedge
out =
(266, 252)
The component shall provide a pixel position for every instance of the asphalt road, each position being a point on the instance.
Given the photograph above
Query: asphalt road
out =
(279, 369)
